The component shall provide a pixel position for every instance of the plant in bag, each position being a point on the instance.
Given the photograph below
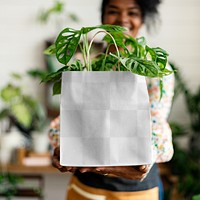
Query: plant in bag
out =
(134, 55)
(99, 105)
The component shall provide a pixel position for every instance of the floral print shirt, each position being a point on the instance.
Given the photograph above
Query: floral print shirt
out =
(162, 147)
(160, 108)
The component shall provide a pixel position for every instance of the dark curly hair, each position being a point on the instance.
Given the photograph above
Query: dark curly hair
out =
(149, 9)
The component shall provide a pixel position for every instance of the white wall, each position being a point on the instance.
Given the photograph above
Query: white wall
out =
(22, 40)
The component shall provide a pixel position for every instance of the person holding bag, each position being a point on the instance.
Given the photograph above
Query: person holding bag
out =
(126, 182)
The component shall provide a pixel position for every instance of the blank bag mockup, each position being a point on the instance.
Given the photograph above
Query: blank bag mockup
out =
(105, 119)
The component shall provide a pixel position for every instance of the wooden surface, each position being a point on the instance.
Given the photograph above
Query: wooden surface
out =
(28, 169)
(37, 166)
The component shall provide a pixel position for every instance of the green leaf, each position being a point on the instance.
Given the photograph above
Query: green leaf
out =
(140, 66)
(109, 28)
(76, 66)
(4, 113)
(137, 47)
(161, 57)
(118, 37)
(151, 53)
(50, 50)
(16, 76)
(66, 44)
(55, 76)
(196, 197)
(36, 73)
(57, 88)
(141, 41)
(52, 77)
(10, 92)
(22, 113)
(73, 17)
(58, 7)
(161, 88)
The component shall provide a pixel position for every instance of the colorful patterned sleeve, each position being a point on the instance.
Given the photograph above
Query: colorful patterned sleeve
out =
(162, 146)
(54, 133)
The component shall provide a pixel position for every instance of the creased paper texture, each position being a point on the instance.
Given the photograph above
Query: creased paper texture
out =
(105, 119)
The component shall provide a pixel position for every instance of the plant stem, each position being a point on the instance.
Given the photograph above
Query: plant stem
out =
(88, 52)
(104, 60)
(85, 50)
(82, 50)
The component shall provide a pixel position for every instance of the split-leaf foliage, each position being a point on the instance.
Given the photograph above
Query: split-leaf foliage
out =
(132, 54)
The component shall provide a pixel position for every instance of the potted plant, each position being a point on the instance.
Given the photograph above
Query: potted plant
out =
(192, 100)
(187, 184)
(58, 13)
(102, 77)
(22, 110)
(141, 59)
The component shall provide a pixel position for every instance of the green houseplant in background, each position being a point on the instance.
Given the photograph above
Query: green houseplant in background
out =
(22, 110)
(57, 11)
(185, 164)
(24, 113)
(58, 15)
(8, 184)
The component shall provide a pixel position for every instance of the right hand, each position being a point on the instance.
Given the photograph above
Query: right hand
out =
(56, 162)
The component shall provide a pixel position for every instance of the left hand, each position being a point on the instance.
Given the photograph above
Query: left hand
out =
(128, 172)
(56, 162)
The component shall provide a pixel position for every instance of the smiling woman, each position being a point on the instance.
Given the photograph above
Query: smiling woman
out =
(127, 182)
(129, 13)
(123, 13)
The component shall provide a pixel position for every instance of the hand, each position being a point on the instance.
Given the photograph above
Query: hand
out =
(128, 172)
(56, 162)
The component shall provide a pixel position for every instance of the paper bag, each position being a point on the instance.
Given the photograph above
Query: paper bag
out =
(105, 119)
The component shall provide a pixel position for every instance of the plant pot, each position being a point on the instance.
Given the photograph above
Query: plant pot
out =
(40, 142)
(8, 143)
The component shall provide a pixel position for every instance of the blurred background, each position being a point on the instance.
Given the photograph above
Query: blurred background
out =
(27, 28)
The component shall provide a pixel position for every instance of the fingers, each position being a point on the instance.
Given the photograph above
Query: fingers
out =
(112, 171)
(107, 170)
(129, 172)
(125, 172)
(91, 169)
(142, 168)
(56, 162)
(56, 158)
(86, 169)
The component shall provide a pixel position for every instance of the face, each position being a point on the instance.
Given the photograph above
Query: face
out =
(124, 13)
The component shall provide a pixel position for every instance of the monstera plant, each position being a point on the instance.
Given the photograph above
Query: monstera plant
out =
(133, 55)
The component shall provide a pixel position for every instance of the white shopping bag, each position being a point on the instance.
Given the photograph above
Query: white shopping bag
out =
(105, 119)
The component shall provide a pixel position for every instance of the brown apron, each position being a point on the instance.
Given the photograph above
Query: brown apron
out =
(79, 191)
